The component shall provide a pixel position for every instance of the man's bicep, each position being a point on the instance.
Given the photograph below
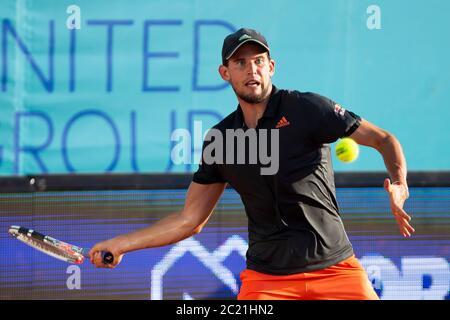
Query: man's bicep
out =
(201, 200)
(369, 134)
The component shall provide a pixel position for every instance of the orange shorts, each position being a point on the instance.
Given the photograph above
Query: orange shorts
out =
(346, 280)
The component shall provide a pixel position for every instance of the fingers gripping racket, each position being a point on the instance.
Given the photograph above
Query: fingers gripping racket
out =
(53, 247)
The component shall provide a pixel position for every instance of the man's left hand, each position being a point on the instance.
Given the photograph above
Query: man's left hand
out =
(398, 193)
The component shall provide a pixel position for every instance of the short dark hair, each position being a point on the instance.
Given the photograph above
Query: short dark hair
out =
(226, 61)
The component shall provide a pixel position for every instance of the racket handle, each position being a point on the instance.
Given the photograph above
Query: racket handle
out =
(108, 257)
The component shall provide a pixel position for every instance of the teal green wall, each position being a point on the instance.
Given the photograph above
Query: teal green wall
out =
(71, 111)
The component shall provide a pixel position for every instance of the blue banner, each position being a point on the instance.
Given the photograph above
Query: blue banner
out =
(208, 265)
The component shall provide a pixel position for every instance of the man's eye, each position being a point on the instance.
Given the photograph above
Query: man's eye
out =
(259, 61)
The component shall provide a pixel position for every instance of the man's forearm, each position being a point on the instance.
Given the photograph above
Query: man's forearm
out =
(168, 230)
(394, 159)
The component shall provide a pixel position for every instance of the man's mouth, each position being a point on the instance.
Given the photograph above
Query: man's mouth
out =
(252, 83)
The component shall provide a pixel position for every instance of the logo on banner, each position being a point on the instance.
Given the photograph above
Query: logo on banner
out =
(418, 277)
(211, 260)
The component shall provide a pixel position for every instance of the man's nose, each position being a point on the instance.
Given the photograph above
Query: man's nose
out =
(252, 67)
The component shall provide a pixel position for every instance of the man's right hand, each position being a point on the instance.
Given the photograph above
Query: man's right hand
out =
(112, 245)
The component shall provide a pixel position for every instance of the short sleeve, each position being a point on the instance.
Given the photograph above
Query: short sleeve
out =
(330, 120)
(207, 173)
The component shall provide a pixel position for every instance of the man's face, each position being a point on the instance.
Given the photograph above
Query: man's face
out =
(249, 72)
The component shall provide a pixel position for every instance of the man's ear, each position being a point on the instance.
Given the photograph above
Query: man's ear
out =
(271, 67)
(223, 70)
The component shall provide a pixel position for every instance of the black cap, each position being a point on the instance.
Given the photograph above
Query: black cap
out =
(235, 40)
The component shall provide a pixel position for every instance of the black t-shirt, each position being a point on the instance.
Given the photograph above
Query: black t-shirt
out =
(293, 216)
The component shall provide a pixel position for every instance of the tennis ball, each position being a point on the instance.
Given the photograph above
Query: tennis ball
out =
(347, 150)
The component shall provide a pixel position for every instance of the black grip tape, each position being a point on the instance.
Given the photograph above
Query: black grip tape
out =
(108, 257)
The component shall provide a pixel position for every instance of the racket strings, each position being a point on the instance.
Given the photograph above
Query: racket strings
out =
(45, 247)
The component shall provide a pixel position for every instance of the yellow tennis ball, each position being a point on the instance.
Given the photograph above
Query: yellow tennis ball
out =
(347, 150)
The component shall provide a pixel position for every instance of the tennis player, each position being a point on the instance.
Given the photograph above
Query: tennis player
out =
(298, 247)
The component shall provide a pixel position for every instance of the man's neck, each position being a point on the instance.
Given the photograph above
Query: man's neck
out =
(253, 112)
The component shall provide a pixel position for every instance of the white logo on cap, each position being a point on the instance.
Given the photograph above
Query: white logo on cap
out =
(244, 37)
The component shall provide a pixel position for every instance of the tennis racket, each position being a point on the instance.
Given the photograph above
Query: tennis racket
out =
(54, 247)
